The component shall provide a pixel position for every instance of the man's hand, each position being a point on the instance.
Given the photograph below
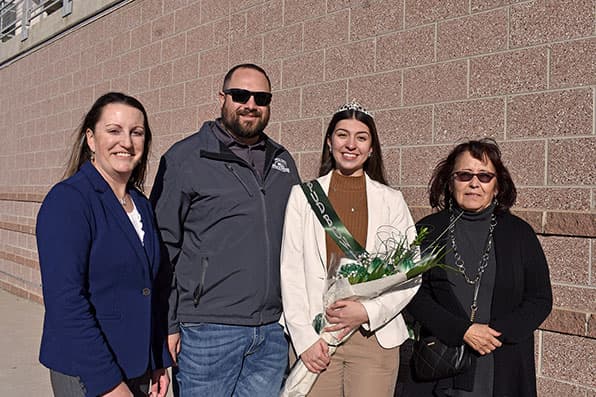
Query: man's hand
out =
(174, 347)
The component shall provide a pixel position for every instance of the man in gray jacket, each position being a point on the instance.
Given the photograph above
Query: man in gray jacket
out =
(220, 198)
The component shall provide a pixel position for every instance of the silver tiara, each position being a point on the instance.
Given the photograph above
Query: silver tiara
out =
(354, 105)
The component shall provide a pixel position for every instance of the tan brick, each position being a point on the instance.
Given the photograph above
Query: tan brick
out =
(273, 70)
(185, 120)
(533, 218)
(284, 42)
(129, 63)
(417, 163)
(139, 81)
(435, 83)
(300, 10)
(457, 121)
(568, 259)
(212, 10)
(404, 126)
(285, 105)
(250, 51)
(334, 5)
(482, 5)
(525, 161)
(571, 161)
(573, 63)
(591, 326)
(553, 198)
(326, 31)
(375, 18)
(199, 91)
(392, 161)
(376, 91)
(542, 21)
(151, 55)
(416, 197)
(551, 387)
(199, 39)
(185, 69)
(162, 27)
(569, 358)
(186, 18)
(563, 113)
(264, 18)
(151, 10)
(161, 75)
(308, 165)
(171, 97)
(323, 99)
(302, 135)
(508, 73)
(213, 61)
(349, 60)
(571, 223)
(303, 69)
(141, 36)
(471, 35)
(419, 12)
(409, 48)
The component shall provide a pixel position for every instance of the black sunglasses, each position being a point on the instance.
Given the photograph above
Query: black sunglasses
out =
(242, 96)
(464, 176)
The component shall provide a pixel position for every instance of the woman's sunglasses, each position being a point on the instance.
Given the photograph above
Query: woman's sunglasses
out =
(242, 96)
(464, 176)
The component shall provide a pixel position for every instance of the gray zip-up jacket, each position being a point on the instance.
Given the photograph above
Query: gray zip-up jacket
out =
(221, 225)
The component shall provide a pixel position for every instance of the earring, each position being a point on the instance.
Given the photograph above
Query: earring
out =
(92, 156)
(369, 154)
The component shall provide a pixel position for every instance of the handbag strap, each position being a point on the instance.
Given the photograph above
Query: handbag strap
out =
(319, 202)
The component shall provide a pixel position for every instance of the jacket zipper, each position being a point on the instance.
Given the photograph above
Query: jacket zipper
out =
(233, 171)
(199, 290)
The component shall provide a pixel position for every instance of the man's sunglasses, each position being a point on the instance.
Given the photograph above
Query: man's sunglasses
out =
(242, 96)
(464, 176)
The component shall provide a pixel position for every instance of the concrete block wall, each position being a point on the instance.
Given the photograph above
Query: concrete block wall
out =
(434, 72)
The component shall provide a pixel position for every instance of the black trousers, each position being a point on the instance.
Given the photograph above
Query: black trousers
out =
(71, 386)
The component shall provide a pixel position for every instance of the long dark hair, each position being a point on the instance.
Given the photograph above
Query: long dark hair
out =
(81, 152)
(441, 182)
(373, 166)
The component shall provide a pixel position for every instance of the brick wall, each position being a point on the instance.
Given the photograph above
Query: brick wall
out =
(434, 72)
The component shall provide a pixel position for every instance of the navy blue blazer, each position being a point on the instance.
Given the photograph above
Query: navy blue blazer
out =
(100, 284)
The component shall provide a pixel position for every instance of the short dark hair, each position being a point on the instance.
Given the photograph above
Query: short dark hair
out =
(373, 166)
(81, 152)
(252, 66)
(441, 182)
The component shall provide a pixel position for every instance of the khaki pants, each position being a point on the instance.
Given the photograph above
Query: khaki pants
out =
(359, 367)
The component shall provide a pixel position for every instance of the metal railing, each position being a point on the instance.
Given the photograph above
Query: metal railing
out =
(17, 16)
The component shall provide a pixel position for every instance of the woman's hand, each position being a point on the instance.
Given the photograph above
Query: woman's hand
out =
(316, 358)
(174, 347)
(345, 315)
(482, 338)
(160, 380)
(121, 390)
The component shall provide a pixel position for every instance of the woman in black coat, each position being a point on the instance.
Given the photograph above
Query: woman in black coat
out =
(494, 253)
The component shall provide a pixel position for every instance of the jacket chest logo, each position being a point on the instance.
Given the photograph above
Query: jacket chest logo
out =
(280, 165)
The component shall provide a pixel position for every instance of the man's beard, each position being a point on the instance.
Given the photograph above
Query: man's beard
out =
(231, 120)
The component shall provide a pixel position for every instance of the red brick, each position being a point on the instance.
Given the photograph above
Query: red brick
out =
(393, 167)
(139, 81)
(151, 55)
(162, 27)
(349, 60)
(457, 121)
(284, 42)
(580, 298)
(308, 165)
(186, 18)
(482, 5)
(173, 47)
(327, 31)
(471, 35)
(285, 105)
(405, 126)
(171, 97)
(250, 51)
(573, 63)
(571, 223)
(551, 387)
(323, 99)
(232, 28)
(562, 113)
(300, 10)
(568, 259)
(571, 161)
(416, 197)
(186, 120)
(151, 10)
(419, 12)
(161, 75)
(569, 358)
(212, 10)
(375, 18)
(185, 69)
(213, 61)
(130, 62)
(409, 48)
(140, 36)
(303, 69)
(376, 91)
(264, 18)
(199, 91)
(200, 38)
(508, 73)
(525, 161)
(302, 135)
(542, 21)
(417, 163)
(435, 83)
(553, 198)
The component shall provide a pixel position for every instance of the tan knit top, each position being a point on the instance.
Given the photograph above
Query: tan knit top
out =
(347, 195)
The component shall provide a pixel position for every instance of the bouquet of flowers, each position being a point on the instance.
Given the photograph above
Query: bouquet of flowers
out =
(397, 266)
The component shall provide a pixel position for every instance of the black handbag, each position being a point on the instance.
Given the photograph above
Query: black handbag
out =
(433, 360)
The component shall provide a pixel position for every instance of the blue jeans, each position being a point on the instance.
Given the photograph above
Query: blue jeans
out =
(230, 360)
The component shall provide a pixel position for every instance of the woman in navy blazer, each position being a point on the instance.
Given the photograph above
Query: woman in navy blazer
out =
(99, 258)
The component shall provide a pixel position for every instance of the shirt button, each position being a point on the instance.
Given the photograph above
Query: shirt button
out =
(146, 292)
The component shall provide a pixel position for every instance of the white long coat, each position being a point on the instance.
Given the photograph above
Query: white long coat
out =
(303, 268)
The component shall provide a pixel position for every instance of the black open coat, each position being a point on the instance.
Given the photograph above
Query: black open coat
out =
(522, 299)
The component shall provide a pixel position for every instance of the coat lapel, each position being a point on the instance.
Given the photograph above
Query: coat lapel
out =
(376, 213)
